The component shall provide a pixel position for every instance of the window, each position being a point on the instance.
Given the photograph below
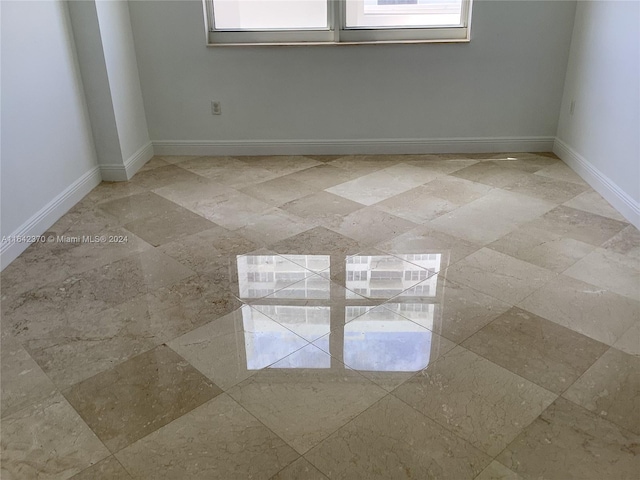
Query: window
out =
(236, 22)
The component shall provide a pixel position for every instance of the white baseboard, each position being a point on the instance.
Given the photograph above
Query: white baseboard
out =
(122, 173)
(49, 214)
(353, 147)
(612, 193)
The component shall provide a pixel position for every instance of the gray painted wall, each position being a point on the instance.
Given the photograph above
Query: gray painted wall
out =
(507, 82)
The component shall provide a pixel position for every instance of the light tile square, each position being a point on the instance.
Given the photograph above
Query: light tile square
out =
(217, 441)
(361, 450)
(306, 385)
(236, 346)
(476, 399)
(584, 308)
(501, 276)
(610, 389)
(539, 350)
(567, 441)
(48, 440)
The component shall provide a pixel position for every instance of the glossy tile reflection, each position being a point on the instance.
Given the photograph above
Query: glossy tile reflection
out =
(457, 317)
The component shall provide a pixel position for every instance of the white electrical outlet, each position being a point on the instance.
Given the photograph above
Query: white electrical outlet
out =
(216, 108)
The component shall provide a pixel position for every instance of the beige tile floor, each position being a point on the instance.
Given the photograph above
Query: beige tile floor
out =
(312, 317)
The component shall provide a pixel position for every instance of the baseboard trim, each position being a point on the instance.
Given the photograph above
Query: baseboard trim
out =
(49, 214)
(612, 193)
(122, 173)
(353, 147)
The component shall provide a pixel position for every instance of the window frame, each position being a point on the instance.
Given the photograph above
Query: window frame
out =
(337, 33)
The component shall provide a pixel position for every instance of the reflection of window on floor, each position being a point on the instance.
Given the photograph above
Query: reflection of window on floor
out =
(388, 339)
(357, 275)
(416, 275)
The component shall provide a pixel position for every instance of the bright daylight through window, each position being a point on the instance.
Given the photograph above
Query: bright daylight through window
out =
(336, 21)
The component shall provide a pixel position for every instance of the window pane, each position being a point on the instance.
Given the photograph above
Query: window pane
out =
(270, 14)
(403, 13)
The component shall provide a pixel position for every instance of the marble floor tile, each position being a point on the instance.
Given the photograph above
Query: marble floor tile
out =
(92, 291)
(456, 190)
(610, 389)
(217, 441)
(426, 240)
(175, 159)
(236, 346)
(273, 226)
(476, 399)
(240, 175)
(278, 191)
(501, 276)
(365, 164)
(392, 441)
(528, 162)
(560, 171)
(538, 186)
(227, 171)
(458, 283)
(137, 273)
(542, 248)
(383, 184)
(497, 471)
(455, 311)
(107, 469)
(161, 176)
(280, 164)
(629, 342)
(568, 442)
(48, 440)
(417, 205)
(309, 385)
(237, 174)
(627, 242)
(139, 396)
(317, 241)
(107, 191)
(72, 349)
(153, 162)
(322, 207)
(82, 219)
(195, 301)
(193, 193)
(102, 248)
(535, 348)
(23, 381)
(441, 164)
(169, 227)
(591, 201)
(492, 216)
(493, 174)
(582, 307)
(322, 176)
(36, 267)
(299, 470)
(612, 271)
(369, 226)
(578, 224)
(231, 210)
(136, 207)
(210, 250)
(324, 158)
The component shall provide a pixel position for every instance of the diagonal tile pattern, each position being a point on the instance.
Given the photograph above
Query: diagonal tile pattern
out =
(470, 316)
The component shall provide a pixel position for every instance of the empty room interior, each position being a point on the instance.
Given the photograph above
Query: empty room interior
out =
(320, 239)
